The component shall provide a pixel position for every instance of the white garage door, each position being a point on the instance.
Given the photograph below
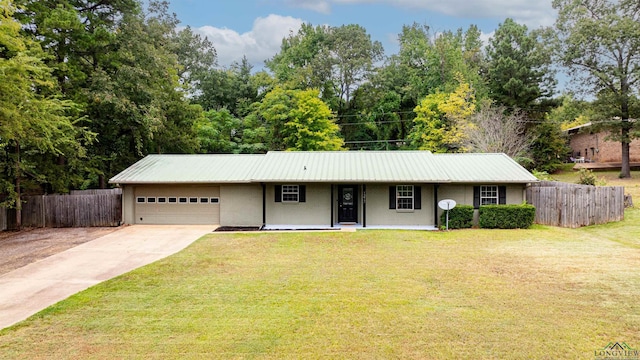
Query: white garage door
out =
(192, 205)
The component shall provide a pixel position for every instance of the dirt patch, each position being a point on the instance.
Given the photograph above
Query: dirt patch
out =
(20, 248)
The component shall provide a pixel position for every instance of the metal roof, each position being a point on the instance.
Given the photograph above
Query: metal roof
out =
(349, 166)
(185, 169)
(325, 166)
(483, 168)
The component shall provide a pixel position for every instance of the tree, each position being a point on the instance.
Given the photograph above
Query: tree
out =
(134, 100)
(299, 120)
(549, 147)
(196, 56)
(219, 132)
(518, 67)
(335, 60)
(302, 60)
(571, 112)
(496, 131)
(353, 55)
(33, 119)
(598, 41)
(234, 89)
(442, 120)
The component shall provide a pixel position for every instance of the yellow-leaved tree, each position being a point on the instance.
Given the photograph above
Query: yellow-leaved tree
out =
(442, 120)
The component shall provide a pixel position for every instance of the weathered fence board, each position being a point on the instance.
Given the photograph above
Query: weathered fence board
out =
(86, 210)
(114, 191)
(572, 205)
(3, 219)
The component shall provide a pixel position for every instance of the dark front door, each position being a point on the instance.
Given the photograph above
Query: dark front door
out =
(347, 203)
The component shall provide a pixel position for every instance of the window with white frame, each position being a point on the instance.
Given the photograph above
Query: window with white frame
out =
(489, 195)
(290, 193)
(404, 197)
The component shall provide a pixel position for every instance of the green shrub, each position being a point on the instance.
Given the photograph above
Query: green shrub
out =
(507, 216)
(460, 217)
(587, 177)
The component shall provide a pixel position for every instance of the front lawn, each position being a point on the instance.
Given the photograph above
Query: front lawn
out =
(538, 293)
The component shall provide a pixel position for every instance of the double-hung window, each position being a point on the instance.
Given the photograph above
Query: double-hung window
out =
(404, 197)
(290, 193)
(488, 195)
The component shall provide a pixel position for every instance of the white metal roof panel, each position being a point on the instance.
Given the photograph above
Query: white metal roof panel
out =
(326, 166)
(483, 168)
(349, 166)
(185, 169)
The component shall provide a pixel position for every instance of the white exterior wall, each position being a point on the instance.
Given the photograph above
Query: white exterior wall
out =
(128, 205)
(241, 205)
(378, 212)
(316, 210)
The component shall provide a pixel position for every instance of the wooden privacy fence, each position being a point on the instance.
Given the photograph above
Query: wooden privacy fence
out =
(81, 209)
(572, 205)
(3, 219)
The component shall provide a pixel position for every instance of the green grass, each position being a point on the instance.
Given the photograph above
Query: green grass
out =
(609, 178)
(539, 293)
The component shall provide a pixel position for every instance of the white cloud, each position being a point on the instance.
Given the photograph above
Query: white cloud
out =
(486, 37)
(259, 44)
(532, 13)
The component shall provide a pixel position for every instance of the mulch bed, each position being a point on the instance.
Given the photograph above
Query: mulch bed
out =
(238, 228)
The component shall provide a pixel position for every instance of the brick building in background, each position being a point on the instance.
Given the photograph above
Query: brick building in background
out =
(592, 146)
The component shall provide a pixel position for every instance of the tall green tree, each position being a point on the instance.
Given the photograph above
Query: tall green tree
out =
(134, 100)
(353, 54)
(196, 56)
(234, 89)
(519, 73)
(299, 120)
(302, 62)
(598, 41)
(76, 34)
(34, 121)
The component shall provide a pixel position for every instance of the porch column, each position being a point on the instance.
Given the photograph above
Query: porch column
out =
(331, 221)
(364, 205)
(264, 204)
(435, 204)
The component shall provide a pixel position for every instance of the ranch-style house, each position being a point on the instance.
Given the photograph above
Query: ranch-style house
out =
(298, 190)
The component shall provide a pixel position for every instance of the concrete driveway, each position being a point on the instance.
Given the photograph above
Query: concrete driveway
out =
(30, 289)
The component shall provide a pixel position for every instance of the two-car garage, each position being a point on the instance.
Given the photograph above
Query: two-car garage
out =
(192, 205)
(191, 190)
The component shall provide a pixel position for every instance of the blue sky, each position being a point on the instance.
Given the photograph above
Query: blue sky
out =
(255, 28)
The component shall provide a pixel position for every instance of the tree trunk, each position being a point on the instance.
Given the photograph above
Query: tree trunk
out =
(101, 182)
(625, 170)
(18, 189)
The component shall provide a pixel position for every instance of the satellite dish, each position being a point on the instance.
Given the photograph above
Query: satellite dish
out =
(447, 204)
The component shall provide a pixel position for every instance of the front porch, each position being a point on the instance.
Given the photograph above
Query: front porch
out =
(346, 227)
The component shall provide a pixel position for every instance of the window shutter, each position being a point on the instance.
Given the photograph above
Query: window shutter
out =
(502, 195)
(417, 197)
(278, 193)
(302, 193)
(476, 197)
(392, 197)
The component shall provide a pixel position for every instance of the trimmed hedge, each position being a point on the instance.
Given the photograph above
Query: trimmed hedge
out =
(507, 216)
(460, 217)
